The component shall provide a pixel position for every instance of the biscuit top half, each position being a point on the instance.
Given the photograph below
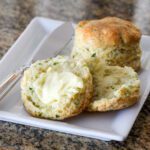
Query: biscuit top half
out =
(106, 33)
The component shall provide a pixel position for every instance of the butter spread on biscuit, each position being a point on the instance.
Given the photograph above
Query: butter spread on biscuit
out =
(54, 86)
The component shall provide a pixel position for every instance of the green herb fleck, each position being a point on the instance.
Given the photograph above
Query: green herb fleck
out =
(31, 89)
(87, 49)
(57, 116)
(112, 87)
(80, 25)
(40, 114)
(93, 55)
(40, 63)
(107, 72)
(36, 76)
(77, 103)
(55, 63)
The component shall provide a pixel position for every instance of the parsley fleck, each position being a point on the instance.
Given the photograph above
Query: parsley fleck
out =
(55, 63)
(40, 114)
(93, 55)
(57, 116)
(31, 89)
(87, 49)
(36, 76)
(76, 103)
(112, 87)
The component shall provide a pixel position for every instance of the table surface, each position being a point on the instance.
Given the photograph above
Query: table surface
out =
(14, 17)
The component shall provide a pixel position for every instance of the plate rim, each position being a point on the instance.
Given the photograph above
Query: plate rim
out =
(107, 136)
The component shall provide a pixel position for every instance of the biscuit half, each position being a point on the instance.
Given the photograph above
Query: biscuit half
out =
(56, 88)
(114, 87)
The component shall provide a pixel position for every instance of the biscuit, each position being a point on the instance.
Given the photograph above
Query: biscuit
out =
(56, 88)
(113, 40)
(115, 87)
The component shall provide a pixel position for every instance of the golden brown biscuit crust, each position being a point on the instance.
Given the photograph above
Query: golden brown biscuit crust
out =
(108, 32)
(113, 104)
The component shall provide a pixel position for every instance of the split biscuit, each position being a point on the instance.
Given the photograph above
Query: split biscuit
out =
(56, 88)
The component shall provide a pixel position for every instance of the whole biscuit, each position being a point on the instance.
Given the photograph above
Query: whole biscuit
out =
(112, 39)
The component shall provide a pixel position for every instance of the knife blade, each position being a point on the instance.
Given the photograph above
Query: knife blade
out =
(52, 44)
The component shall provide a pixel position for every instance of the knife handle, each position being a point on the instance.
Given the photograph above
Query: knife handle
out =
(10, 82)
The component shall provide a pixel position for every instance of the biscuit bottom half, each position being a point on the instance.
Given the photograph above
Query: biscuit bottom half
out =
(56, 88)
(114, 87)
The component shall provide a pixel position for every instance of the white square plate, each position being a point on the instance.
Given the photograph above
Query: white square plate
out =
(106, 126)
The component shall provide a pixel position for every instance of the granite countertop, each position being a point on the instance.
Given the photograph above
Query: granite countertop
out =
(14, 17)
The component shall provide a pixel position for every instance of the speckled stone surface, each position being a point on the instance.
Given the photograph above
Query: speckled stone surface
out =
(14, 17)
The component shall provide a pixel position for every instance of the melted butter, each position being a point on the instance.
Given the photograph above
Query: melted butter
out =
(54, 86)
